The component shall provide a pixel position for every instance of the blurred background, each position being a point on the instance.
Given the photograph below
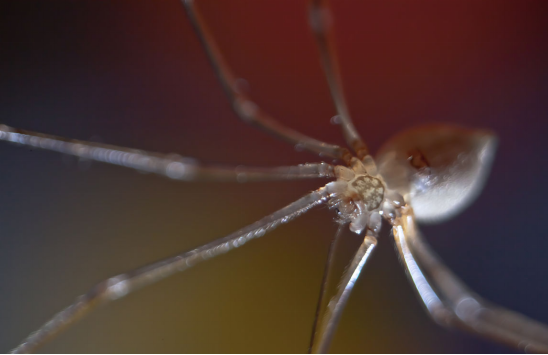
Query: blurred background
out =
(132, 73)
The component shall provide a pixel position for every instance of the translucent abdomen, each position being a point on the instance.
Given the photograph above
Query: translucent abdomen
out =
(440, 169)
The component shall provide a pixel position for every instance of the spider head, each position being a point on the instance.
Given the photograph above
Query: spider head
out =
(358, 195)
(440, 169)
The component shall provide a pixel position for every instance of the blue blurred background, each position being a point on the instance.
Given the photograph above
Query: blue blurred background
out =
(132, 73)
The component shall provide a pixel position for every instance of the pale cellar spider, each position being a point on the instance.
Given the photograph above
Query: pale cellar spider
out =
(134, 74)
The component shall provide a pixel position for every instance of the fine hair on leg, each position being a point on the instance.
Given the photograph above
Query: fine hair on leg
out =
(321, 25)
(332, 316)
(452, 304)
(244, 107)
(171, 165)
(328, 271)
(121, 285)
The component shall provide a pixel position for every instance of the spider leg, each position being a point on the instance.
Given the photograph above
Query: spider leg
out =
(452, 304)
(332, 315)
(320, 22)
(119, 286)
(172, 166)
(244, 107)
(328, 271)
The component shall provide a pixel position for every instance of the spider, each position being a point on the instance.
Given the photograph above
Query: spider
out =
(416, 157)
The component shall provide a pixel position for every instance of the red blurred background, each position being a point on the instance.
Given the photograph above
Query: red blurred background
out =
(132, 73)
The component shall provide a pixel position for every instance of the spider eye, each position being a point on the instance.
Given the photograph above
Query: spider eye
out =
(440, 169)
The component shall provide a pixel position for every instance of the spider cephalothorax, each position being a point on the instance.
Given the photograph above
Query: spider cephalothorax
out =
(359, 194)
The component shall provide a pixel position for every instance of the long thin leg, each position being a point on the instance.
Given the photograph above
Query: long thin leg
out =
(123, 284)
(172, 166)
(451, 303)
(320, 22)
(332, 316)
(328, 271)
(244, 107)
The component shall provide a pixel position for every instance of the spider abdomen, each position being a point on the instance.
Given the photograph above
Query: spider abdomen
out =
(440, 169)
